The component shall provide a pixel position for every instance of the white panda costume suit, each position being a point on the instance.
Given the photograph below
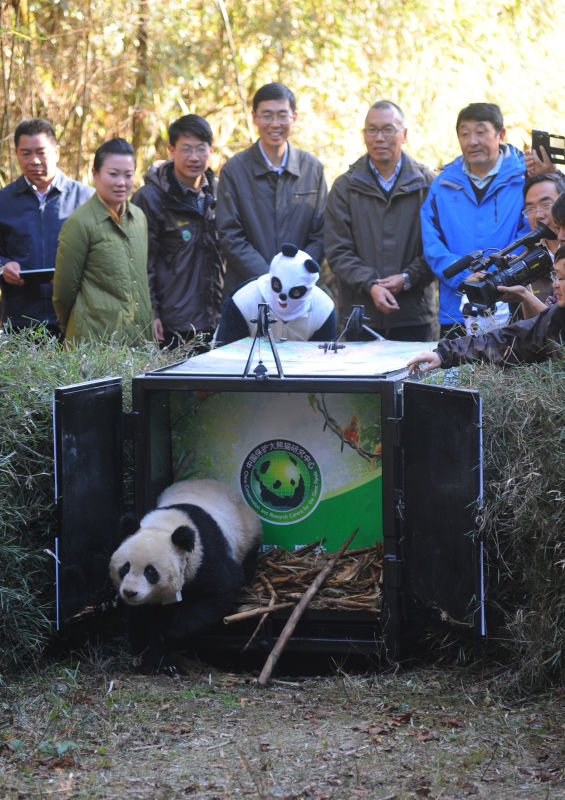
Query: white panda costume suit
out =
(302, 311)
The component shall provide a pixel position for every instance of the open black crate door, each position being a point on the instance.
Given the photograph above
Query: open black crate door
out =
(442, 443)
(88, 438)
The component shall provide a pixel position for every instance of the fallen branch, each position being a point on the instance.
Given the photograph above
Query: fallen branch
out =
(288, 629)
(255, 612)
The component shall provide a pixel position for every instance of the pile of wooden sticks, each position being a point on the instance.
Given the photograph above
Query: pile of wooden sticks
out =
(282, 578)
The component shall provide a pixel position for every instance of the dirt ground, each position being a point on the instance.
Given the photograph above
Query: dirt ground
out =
(96, 730)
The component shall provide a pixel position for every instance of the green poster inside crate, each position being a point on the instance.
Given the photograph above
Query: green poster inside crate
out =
(309, 464)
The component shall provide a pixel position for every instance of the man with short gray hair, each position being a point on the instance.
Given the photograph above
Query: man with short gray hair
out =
(372, 232)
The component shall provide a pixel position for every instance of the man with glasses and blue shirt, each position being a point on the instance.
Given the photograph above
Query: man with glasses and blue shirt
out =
(372, 233)
(270, 193)
(540, 193)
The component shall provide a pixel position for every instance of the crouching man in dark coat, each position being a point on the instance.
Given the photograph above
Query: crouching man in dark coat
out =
(528, 341)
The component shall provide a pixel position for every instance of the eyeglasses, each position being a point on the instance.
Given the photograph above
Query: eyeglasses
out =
(555, 278)
(269, 116)
(201, 150)
(389, 132)
(545, 206)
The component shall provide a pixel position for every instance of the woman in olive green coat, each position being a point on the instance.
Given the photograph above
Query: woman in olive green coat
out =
(100, 287)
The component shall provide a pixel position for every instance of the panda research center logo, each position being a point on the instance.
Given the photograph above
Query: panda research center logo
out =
(281, 481)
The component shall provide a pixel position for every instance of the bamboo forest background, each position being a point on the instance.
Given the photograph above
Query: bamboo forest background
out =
(127, 68)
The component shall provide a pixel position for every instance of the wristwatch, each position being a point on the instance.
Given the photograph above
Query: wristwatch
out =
(407, 282)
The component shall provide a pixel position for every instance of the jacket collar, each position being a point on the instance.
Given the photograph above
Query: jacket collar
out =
(58, 183)
(512, 166)
(260, 166)
(101, 212)
(410, 178)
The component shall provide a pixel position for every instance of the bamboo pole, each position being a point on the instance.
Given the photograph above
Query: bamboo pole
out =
(255, 612)
(288, 629)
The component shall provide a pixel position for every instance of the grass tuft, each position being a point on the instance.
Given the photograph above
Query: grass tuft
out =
(523, 518)
(32, 364)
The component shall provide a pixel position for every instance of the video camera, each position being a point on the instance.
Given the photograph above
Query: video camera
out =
(523, 269)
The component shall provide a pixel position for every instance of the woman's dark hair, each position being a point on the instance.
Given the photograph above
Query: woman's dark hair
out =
(190, 125)
(560, 253)
(112, 147)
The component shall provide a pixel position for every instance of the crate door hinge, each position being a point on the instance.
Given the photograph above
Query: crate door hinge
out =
(393, 571)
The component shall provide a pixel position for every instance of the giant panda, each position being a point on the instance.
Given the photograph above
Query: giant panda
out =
(181, 571)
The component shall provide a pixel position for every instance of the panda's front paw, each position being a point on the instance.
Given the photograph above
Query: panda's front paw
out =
(156, 663)
(170, 670)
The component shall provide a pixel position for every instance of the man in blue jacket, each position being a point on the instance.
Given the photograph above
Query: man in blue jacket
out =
(475, 203)
(32, 211)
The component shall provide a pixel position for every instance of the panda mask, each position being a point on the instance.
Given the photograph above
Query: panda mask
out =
(288, 284)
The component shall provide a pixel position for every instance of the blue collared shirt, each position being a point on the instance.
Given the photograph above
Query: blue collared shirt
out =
(278, 170)
(387, 183)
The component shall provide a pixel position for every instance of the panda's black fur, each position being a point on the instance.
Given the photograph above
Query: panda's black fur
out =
(181, 571)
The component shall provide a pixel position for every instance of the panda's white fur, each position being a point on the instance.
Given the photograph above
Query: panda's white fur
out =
(152, 543)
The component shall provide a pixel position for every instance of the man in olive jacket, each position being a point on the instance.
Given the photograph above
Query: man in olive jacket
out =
(372, 233)
(270, 194)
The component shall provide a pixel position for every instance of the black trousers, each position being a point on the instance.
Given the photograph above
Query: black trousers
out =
(408, 333)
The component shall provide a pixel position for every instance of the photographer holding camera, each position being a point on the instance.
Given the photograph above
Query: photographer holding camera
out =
(540, 193)
(527, 341)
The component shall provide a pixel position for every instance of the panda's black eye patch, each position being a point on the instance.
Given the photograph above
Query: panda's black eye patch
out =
(123, 570)
(276, 285)
(297, 292)
(151, 574)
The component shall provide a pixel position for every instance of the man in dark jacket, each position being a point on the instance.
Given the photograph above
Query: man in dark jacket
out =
(185, 268)
(528, 341)
(269, 194)
(372, 233)
(32, 211)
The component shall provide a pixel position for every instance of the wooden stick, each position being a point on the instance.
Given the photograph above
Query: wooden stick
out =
(256, 612)
(288, 629)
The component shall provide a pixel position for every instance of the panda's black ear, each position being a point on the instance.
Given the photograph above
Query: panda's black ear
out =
(289, 250)
(311, 265)
(129, 524)
(184, 537)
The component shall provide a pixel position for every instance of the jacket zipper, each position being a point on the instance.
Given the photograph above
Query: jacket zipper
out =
(41, 210)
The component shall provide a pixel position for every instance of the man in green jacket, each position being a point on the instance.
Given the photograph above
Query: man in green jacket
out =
(269, 194)
(372, 233)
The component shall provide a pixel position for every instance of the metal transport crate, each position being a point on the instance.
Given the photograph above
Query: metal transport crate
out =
(320, 442)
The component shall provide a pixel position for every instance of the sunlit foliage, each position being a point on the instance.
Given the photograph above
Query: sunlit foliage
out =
(99, 69)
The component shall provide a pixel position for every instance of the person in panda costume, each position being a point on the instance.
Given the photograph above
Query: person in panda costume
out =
(302, 311)
(180, 572)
